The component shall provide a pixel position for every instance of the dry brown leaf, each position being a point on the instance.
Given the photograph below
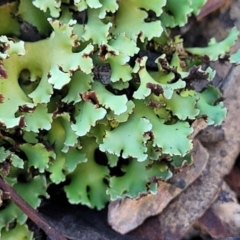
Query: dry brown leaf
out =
(221, 220)
(230, 214)
(233, 180)
(212, 224)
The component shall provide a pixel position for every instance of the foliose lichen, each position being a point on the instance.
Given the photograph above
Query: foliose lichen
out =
(97, 94)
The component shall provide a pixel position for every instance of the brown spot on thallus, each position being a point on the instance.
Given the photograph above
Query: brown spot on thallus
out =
(155, 88)
(60, 68)
(140, 35)
(150, 135)
(6, 46)
(104, 50)
(1, 98)
(26, 109)
(87, 55)
(138, 60)
(163, 63)
(195, 73)
(3, 72)
(22, 122)
(205, 59)
(155, 104)
(90, 97)
(166, 67)
(224, 59)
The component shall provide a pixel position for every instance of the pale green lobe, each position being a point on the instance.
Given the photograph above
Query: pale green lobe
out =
(70, 139)
(124, 45)
(60, 132)
(120, 85)
(211, 73)
(53, 54)
(176, 14)
(120, 69)
(57, 69)
(12, 47)
(145, 78)
(179, 161)
(43, 92)
(37, 119)
(182, 105)
(65, 142)
(74, 156)
(30, 137)
(235, 57)
(56, 168)
(10, 122)
(142, 92)
(133, 183)
(60, 137)
(87, 115)
(13, 97)
(80, 83)
(52, 5)
(107, 7)
(130, 19)
(85, 188)
(37, 155)
(7, 155)
(124, 116)
(216, 49)
(58, 78)
(18, 232)
(128, 140)
(112, 159)
(93, 3)
(176, 64)
(176, 134)
(3, 154)
(99, 130)
(80, 4)
(118, 54)
(95, 30)
(206, 104)
(118, 104)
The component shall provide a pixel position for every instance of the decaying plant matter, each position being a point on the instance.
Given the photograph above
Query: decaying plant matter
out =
(100, 96)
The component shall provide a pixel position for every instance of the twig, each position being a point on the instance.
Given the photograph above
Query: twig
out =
(31, 213)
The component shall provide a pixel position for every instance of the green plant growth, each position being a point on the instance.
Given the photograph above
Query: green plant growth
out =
(82, 99)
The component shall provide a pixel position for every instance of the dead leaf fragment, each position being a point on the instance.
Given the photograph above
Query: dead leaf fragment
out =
(213, 225)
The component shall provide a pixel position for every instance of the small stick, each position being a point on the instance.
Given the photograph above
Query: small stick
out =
(30, 212)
